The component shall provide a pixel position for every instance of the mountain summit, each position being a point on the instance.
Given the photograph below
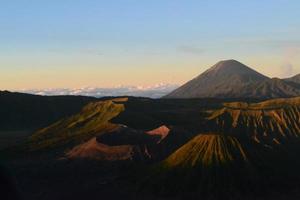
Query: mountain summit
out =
(232, 79)
(232, 67)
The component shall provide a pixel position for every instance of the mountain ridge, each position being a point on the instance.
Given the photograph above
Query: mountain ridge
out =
(294, 79)
(232, 79)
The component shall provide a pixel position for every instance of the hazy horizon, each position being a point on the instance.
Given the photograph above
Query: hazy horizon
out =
(105, 44)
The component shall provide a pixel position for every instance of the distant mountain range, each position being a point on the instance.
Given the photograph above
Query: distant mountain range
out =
(232, 79)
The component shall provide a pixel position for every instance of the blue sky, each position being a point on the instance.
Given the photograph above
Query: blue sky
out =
(74, 43)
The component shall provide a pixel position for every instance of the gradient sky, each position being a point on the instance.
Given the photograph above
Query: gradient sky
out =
(76, 43)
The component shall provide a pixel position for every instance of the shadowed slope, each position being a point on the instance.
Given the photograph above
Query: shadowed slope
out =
(21, 111)
(294, 79)
(270, 88)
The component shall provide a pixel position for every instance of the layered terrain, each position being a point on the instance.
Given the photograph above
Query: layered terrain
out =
(243, 147)
(271, 122)
(162, 148)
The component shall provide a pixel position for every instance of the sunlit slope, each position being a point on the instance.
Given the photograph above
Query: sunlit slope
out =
(269, 104)
(210, 165)
(93, 119)
(207, 150)
(123, 143)
(247, 148)
(95, 150)
(270, 122)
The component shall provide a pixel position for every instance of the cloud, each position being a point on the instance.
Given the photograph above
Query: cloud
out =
(155, 91)
(190, 49)
(290, 53)
(288, 49)
(287, 70)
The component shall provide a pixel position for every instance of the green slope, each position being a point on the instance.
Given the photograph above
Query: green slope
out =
(208, 166)
(207, 150)
(92, 120)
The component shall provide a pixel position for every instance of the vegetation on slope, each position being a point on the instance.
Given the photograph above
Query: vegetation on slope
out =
(206, 150)
(208, 166)
(92, 120)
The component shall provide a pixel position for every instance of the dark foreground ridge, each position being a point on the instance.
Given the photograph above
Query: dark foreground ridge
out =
(133, 148)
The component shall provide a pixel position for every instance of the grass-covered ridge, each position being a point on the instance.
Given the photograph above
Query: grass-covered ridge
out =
(208, 162)
(207, 150)
(269, 104)
(93, 119)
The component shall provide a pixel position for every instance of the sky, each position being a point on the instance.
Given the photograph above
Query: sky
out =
(80, 43)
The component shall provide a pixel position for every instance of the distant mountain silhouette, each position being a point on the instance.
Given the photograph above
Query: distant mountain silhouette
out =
(20, 111)
(232, 79)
